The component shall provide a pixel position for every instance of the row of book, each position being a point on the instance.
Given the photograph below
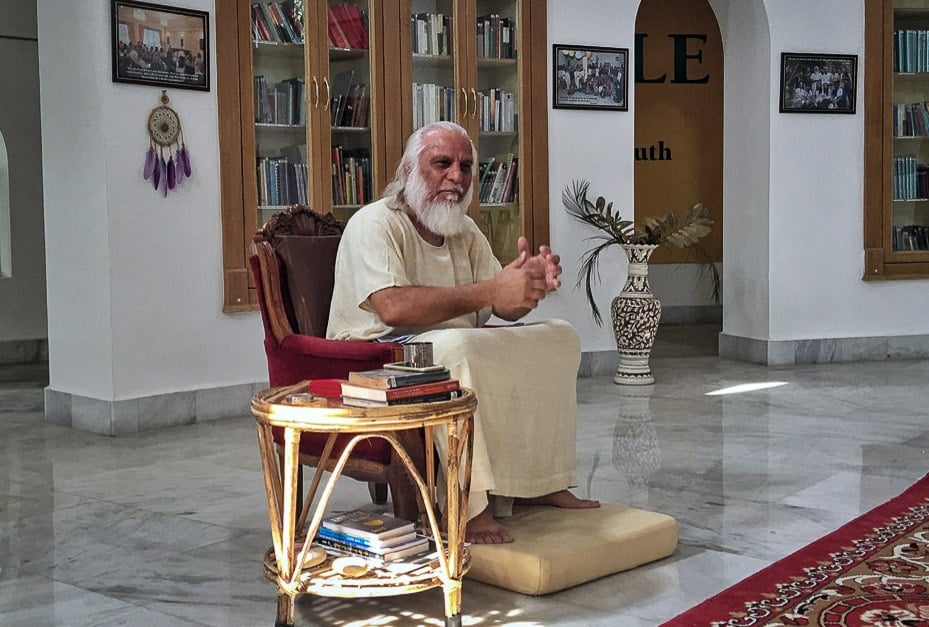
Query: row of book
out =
(431, 33)
(281, 103)
(350, 103)
(432, 103)
(351, 176)
(497, 180)
(280, 22)
(371, 535)
(910, 178)
(496, 110)
(911, 237)
(911, 120)
(282, 181)
(347, 26)
(911, 50)
(496, 36)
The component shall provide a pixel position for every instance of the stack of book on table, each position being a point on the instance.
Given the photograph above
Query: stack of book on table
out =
(393, 386)
(369, 534)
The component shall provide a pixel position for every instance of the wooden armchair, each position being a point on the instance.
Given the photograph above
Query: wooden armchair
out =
(293, 264)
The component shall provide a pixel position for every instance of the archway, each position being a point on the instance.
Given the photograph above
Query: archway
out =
(679, 143)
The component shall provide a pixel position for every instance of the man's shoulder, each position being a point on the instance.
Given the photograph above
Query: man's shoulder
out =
(382, 209)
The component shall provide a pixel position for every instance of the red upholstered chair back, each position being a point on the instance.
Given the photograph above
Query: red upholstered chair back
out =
(293, 265)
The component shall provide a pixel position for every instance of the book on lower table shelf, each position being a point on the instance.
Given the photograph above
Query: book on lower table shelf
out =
(415, 546)
(367, 525)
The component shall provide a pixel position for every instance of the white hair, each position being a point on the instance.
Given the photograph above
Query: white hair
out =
(414, 148)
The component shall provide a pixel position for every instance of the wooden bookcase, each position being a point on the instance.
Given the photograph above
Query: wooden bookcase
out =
(389, 67)
(896, 140)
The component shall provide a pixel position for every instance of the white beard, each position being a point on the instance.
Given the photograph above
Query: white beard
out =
(442, 217)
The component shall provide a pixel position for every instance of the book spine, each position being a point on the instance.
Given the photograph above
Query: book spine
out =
(426, 398)
(349, 548)
(379, 394)
(345, 538)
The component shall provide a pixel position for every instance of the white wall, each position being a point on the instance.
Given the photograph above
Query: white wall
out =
(793, 248)
(746, 168)
(816, 200)
(592, 145)
(22, 295)
(134, 279)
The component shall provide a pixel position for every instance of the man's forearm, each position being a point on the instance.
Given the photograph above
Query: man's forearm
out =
(423, 306)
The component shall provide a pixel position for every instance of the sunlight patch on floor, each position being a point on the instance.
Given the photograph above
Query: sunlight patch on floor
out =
(746, 387)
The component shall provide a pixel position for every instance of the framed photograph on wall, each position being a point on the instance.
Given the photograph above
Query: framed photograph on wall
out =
(590, 77)
(818, 83)
(160, 46)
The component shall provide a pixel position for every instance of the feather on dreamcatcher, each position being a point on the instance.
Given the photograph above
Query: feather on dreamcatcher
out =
(165, 135)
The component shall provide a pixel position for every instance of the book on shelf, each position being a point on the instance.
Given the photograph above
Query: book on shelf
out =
(365, 524)
(386, 378)
(341, 87)
(337, 35)
(392, 394)
(349, 401)
(419, 544)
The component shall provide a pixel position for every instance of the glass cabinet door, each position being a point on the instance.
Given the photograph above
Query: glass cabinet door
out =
(495, 116)
(909, 217)
(437, 87)
(346, 120)
(465, 68)
(278, 107)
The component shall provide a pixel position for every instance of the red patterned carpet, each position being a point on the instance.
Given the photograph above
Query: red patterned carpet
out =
(874, 571)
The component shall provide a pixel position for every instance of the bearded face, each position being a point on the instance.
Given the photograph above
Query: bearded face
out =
(442, 211)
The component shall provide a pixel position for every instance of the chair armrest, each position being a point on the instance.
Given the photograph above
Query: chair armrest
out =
(385, 352)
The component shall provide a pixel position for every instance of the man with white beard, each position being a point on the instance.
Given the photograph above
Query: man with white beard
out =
(413, 263)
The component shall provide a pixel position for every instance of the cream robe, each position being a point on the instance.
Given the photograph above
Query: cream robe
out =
(524, 376)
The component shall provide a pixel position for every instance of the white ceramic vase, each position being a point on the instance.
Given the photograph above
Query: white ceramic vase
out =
(635, 313)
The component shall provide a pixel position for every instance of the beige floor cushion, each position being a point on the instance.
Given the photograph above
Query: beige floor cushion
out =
(555, 548)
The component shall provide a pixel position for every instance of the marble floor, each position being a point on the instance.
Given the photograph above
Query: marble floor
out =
(167, 527)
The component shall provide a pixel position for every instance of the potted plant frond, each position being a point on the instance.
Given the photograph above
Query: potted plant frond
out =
(635, 312)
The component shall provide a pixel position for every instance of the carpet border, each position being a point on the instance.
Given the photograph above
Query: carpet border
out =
(809, 556)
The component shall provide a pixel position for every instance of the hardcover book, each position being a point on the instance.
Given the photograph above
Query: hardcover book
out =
(330, 388)
(368, 525)
(381, 545)
(392, 394)
(349, 401)
(418, 545)
(385, 378)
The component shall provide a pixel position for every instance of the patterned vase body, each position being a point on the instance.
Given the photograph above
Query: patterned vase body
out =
(635, 312)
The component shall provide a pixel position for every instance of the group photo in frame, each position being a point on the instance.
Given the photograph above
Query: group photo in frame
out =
(160, 46)
(818, 83)
(590, 77)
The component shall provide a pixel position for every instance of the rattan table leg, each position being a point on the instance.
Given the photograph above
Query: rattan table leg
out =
(285, 611)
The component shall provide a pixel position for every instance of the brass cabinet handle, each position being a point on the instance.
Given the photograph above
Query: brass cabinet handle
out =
(316, 93)
(464, 107)
(328, 93)
(474, 100)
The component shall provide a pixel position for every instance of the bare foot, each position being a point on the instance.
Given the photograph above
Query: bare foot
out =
(483, 529)
(563, 499)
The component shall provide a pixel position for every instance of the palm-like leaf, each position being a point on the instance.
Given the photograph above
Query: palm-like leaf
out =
(669, 230)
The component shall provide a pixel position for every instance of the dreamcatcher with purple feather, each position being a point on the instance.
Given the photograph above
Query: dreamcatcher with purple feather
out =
(166, 139)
